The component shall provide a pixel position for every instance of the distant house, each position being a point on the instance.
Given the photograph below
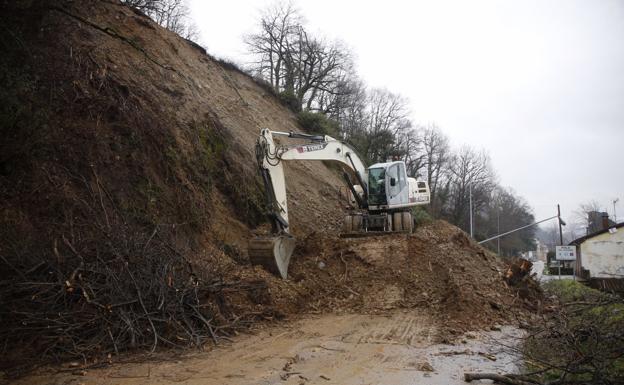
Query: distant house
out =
(539, 254)
(601, 253)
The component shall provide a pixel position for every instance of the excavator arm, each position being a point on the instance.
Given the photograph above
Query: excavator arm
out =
(319, 147)
(274, 252)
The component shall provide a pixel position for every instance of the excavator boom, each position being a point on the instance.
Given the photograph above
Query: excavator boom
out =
(274, 252)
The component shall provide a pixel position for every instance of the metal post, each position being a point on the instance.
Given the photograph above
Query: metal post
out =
(498, 228)
(470, 194)
(560, 236)
(560, 232)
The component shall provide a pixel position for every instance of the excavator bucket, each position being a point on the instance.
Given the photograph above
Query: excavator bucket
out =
(273, 253)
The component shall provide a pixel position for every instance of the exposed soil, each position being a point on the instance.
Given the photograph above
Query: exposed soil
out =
(437, 269)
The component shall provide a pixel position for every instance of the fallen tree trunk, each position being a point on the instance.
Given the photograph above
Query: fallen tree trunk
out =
(468, 377)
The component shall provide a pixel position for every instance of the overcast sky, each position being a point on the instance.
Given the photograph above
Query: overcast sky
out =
(538, 84)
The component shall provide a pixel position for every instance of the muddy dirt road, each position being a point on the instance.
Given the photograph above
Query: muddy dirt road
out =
(398, 348)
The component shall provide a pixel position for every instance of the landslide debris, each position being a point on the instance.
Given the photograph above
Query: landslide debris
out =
(438, 269)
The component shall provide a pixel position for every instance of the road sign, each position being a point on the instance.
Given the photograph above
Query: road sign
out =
(566, 253)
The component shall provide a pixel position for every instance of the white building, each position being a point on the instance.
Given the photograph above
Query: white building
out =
(601, 254)
(541, 251)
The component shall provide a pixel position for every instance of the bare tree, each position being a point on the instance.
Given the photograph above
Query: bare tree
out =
(506, 211)
(350, 109)
(437, 154)
(410, 145)
(305, 68)
(322, 72)
(171, 14)
(469, 170)
(278, 25)
(379, 125)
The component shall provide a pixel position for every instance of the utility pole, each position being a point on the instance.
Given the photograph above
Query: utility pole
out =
(560, 235)
(470, 194)
(498, 228)
(616, 200)
(559, 219)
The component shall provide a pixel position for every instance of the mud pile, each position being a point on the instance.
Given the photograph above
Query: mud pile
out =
(438, 269)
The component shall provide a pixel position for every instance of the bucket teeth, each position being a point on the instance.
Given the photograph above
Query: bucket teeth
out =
(273, 253)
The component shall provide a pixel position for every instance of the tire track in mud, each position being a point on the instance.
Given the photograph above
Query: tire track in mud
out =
(403, 329)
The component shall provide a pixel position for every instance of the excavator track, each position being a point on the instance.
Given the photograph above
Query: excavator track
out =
(273, 253)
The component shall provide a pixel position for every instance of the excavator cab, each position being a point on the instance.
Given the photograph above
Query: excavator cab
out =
(387, 185)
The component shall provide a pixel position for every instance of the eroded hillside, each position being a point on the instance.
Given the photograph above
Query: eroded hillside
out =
(118, 135)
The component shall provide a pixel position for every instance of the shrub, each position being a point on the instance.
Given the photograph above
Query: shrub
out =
(229, 65)
(290, 100)
(266, 86)
(317, 123)
(579, 340)
(420, 215)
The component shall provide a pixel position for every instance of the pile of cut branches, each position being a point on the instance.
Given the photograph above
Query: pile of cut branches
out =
(138, 293)
(107, 284)
(579, 340)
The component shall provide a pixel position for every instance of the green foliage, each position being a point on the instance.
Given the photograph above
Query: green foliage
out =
(290, 100)
(567, 290)
(211, 146)
(267, 87)
(421, 215)
(317, 123)
(214, 167)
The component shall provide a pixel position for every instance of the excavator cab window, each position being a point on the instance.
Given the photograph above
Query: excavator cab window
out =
(402, 177)
(393, 174)
(377, 186)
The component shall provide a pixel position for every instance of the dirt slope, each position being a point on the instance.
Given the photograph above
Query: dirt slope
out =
(127, 152)
(155, 118)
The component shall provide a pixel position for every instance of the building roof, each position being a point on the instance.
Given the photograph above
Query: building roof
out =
(580, 240)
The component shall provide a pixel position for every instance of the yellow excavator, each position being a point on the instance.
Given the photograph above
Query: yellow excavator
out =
(381, 196)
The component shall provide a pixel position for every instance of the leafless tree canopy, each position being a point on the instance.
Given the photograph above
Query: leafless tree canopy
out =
(308, 69)
(437, 157)
(171, 14)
